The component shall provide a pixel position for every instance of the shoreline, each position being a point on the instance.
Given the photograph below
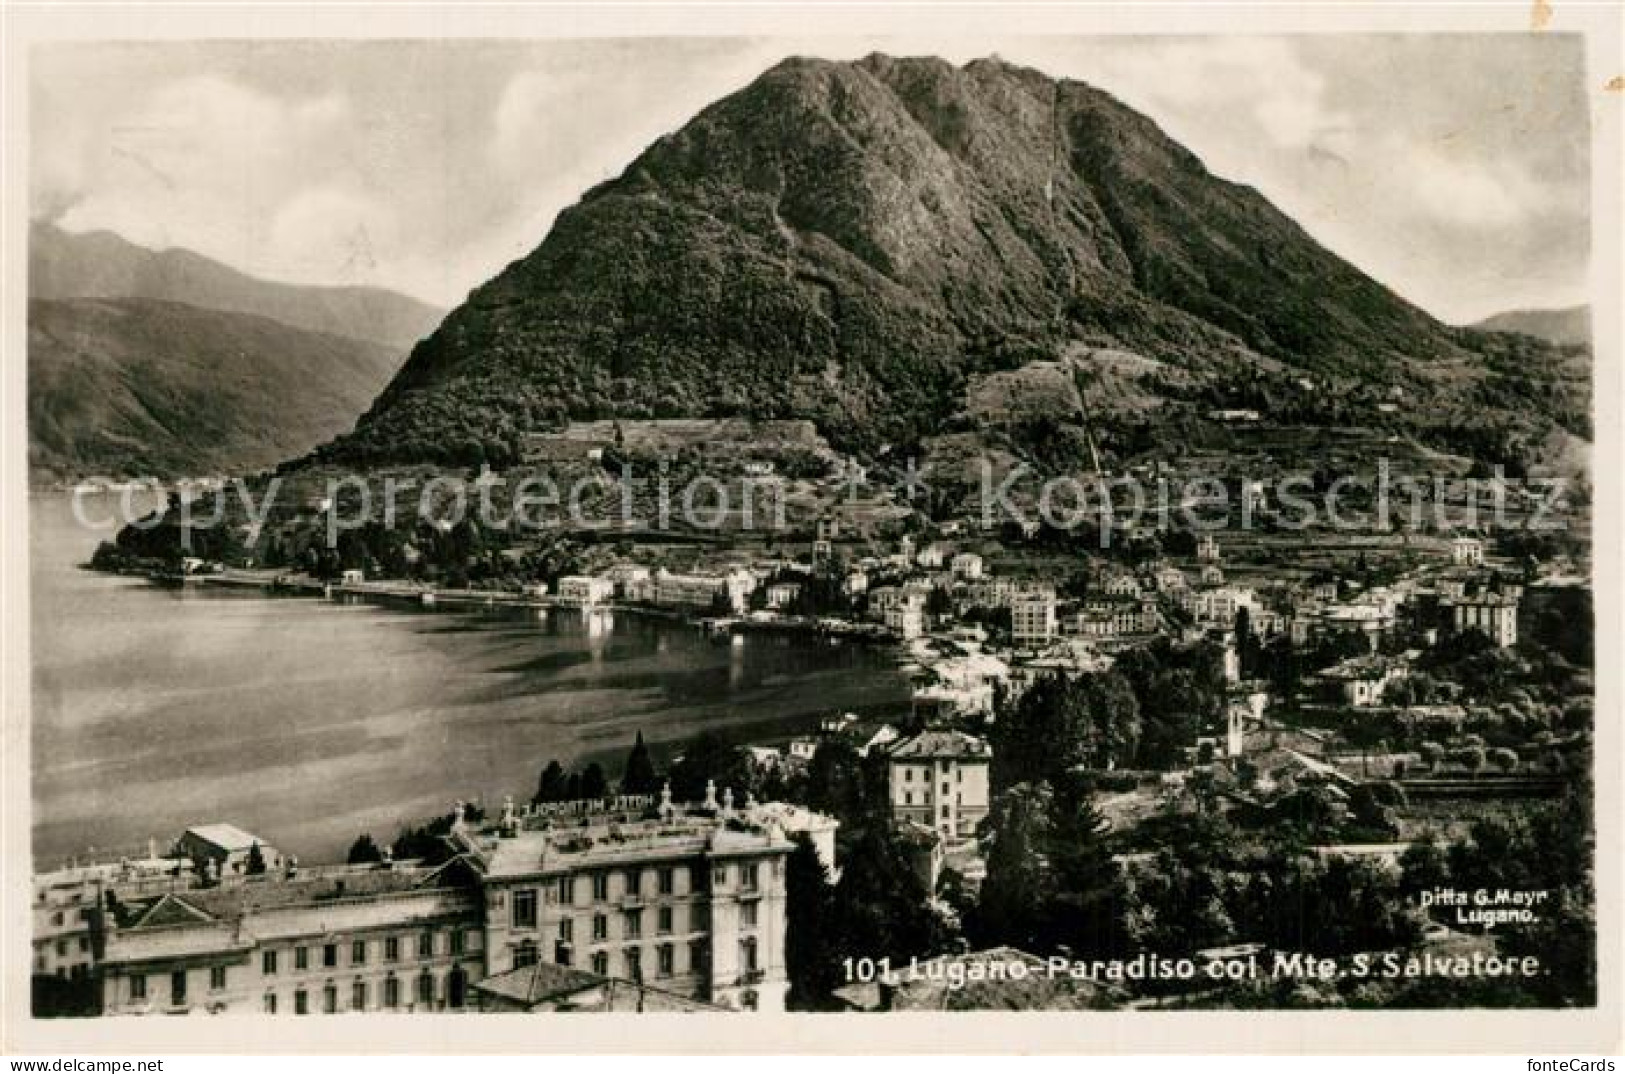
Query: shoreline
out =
(284, 583)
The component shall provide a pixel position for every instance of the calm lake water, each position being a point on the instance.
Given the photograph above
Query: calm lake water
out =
(308, 722)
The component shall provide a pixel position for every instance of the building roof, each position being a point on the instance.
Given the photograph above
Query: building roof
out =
(565, 840)
(254, 894)
(170, 910)
(227, 837)
(930, 745)
(549, 983)
(540, 982)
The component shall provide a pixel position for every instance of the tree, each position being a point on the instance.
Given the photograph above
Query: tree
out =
(553, 785)
(594, 784)
(256, 861)
(640, 776)
(1062, 723)
(709, 758)
(364, 851)
(1016, 893)
(1051, 880)
(882, 908)
(836, 782)
(810, 961)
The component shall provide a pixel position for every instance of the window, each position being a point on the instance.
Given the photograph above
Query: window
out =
(268, 962)
(301, 1002)
(358, 953)
(392, 992)
(459, 941)
(358, 996)
(747, 953)
(330, 999)
(945, 787)
(600, 886)
(56, 918)
(908, 775)
(664, 920)
(634, 882)
(330, 954)
(667, 958)
(62, 947)
(426, 988)
(666, 880)
(747, 915)
(696, 956)
(301, 958)
(456, 987)
(524, 909)
(696, 917)
(567, 890)
(600, 963)
(177, 987)
(270, 1003)
(749, 879)
(719, 875)
(138, 986)
(959, 775)
(84, 943)
(217, 978)
(426, 945)
(525, 955)
(634, 964)
(392, 948)
(908, 797)
(600, 927)
(634, 922)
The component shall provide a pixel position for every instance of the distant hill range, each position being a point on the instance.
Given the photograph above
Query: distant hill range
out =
(864, 244)
(99, 264)
(166, 363)
(1565, 327)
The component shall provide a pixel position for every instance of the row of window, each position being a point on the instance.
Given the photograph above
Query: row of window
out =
(632, 920)
(925, 775)
(457, 942)
(563, 891)
(631, 966)
(178, 984)
(908, 799)
(390, 992)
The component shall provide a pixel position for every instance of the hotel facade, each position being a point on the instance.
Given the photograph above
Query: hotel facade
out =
(683, 901)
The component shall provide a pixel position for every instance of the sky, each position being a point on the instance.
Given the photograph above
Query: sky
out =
(1453, 168)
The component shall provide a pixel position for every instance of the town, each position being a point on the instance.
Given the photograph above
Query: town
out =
(1153, 745)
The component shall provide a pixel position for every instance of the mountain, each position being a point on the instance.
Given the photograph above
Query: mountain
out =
(860, 244)
(139, 387)
(1565, 327)
(99, 264)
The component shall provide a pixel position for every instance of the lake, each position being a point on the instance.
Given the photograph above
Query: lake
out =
(308, 722)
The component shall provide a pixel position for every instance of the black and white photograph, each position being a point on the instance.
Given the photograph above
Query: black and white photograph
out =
(784, 524)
